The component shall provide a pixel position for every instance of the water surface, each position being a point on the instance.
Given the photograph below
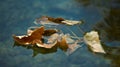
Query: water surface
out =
(16, 16)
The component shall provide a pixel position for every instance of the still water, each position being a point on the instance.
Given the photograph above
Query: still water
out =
(16, 16)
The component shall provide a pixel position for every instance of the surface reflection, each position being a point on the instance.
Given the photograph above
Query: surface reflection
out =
(38, 50)
(113, 54)
(110, 28)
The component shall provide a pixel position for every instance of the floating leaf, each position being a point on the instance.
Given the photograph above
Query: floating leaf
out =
(31, 37)
(61, 41)
(53, 38)
(72, 47)
(63, 44)
(49, 32)
(72, 44)
(71, 22)
(47, 46)
(55, 21)
(93, 41)
(48, 20)
(66, 43)
(50, 39)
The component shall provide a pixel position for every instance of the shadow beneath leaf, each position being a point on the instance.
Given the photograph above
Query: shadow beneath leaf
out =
(38, 50)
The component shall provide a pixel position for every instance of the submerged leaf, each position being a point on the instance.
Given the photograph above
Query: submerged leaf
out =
(72, 47)
(31, 37)
(92, 40)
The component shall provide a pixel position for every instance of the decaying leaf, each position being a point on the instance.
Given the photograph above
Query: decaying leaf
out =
(72, 44)
(71, 22)
(31, 37)
(55, 21)
(41, 20)
(53, 38)
(48, 20)
(69, 40)
(93, 41)
(63, 44)
(72, 47)
(47, 46)
(49, 32)
(39, 35)
(60, 41)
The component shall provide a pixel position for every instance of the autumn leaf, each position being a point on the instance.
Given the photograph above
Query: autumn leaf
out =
(53, 38)
(55, 21)
(93, 42)
(49, 32)
(72, 47)
(47, 46)
(63, 44)
(71, 22)
(31, 37)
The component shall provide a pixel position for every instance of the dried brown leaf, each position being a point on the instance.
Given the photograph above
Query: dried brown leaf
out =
(63, 44)
(47, 46)
(49, 32)
(31, 37)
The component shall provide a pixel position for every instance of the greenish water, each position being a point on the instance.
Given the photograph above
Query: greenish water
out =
(16, 16)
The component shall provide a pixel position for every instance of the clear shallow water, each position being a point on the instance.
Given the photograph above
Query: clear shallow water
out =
(16, 16)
